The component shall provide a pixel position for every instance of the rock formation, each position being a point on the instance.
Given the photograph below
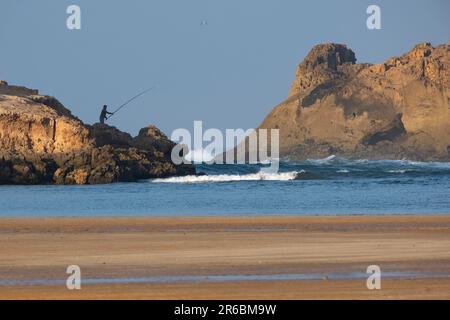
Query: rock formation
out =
(42, 142)
(396, 109)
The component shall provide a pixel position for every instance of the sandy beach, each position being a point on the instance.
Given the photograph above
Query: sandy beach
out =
(413, 249)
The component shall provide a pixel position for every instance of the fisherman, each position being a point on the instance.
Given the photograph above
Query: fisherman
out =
(104, 113)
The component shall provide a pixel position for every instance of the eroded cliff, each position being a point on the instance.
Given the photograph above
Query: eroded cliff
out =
(42, 142)
(396, 109)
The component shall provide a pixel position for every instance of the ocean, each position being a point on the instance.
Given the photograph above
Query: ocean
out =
(330, 186)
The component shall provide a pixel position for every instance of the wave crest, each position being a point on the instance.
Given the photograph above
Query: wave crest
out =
(324, 160)
(261, 175)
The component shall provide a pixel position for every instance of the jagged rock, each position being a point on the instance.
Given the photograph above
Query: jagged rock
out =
(396, 109)
(324, 62)
(151, 138)
(108, 135)
(42, 142)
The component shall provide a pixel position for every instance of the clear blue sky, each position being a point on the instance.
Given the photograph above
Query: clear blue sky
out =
(228, 73)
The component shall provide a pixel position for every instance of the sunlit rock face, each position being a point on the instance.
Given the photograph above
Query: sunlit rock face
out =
(396, 109)
(42, 142)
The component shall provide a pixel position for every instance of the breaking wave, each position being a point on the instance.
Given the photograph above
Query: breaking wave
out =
(324, 160)
(261, 175)
(331, 168)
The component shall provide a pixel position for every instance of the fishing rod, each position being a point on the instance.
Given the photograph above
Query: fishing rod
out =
(131, 99)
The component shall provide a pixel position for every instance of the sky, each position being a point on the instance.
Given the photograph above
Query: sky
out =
(225, 62)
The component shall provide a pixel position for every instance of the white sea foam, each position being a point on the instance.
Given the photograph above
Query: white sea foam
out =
(409, 163)
(324, 160)
(261, 175)
(404, 162)
(398, 171)
(343, 171)
(432, 164)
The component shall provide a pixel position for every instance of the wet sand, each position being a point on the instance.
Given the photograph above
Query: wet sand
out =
(141, 247)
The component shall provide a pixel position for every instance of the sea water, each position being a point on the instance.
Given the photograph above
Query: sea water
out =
(330, 186)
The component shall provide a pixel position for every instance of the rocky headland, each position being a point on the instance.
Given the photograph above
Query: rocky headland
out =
(392, 110)
(41, 142)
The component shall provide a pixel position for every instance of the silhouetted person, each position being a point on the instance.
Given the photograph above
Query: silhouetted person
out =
(103, 114)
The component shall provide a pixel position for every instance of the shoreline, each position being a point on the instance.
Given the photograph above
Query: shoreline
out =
(220, 215)
(435, 289)
(151, 247)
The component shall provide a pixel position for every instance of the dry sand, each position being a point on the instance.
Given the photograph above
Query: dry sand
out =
(42, 248)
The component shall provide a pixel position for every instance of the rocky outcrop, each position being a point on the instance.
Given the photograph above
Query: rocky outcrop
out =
(396, 109)
(323, 63)
(42, 142)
